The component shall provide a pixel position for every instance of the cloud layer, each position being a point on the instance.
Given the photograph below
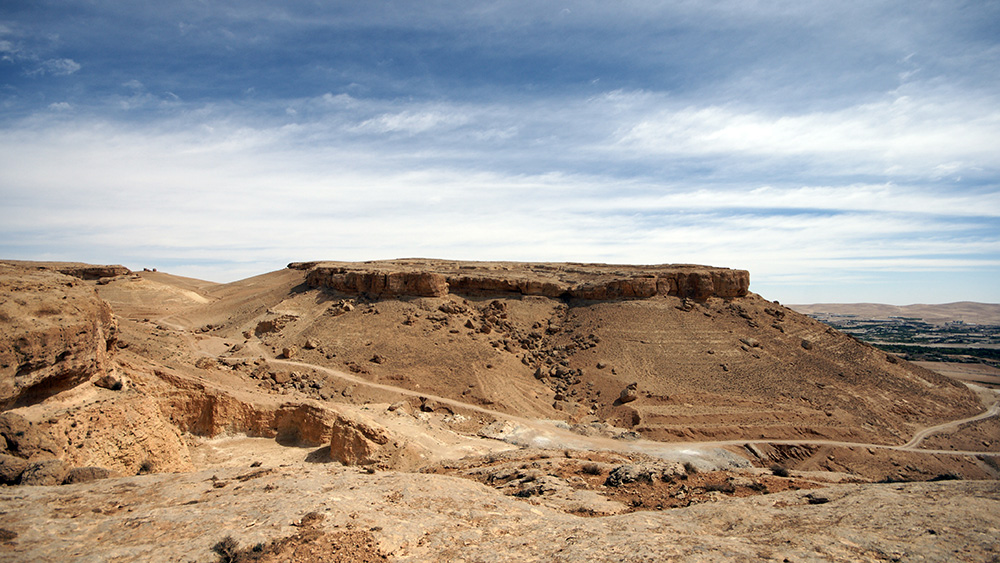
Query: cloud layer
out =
(841, 153)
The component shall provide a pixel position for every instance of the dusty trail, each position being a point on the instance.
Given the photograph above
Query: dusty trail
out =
(547, 434)
(994, 410)
(539, 433)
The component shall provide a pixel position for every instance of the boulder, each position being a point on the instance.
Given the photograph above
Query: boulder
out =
(357, 441)
(23, 439)
(110, 381)
(86, 474)
(629, 393)
(11, 469)
(46, 472)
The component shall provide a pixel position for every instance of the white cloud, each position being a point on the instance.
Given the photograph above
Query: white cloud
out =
(412, 122)
(903, 135)
(60, 67)
(339, 100)
(886, 198)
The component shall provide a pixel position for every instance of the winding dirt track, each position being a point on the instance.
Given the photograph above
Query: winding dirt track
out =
(548, 434)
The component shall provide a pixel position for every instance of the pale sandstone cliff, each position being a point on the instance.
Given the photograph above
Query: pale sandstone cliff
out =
(595, 282)
(55, 333)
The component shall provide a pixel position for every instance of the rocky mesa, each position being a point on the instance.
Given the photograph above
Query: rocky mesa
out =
(595, 282)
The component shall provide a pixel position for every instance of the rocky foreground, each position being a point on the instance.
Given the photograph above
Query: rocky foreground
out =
(426, 410)
(333, 513)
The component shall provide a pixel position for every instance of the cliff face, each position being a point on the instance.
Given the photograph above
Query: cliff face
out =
(594, 282)
(55, 333)
(76, 269)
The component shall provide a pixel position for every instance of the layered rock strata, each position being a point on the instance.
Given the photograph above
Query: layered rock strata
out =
(55, 333)
(595, 282)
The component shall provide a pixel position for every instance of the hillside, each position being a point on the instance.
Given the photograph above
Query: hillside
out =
(585, 389)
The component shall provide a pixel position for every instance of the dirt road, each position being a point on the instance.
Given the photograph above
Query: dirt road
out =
(549, 434)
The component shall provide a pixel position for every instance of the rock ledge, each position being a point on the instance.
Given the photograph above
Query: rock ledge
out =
(596, 282)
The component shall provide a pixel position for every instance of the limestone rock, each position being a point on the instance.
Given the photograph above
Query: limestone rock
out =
(11, 469)
(428, 405)
(94, 272)
(24, 439)
(46, 472)
(57, 334)
(86, 474)
(629, 393)
(110, 381)
(594, 282)
(358, 440)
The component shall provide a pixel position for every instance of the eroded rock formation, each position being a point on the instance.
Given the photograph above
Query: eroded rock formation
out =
(55, 333)
(594, 282)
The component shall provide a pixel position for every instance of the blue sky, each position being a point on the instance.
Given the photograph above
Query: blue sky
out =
(840, 151)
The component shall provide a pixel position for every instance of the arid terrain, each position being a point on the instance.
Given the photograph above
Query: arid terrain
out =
(961, 340)
(432, 410)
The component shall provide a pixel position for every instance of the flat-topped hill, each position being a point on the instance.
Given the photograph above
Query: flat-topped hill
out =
(599, 282)
(708, 358)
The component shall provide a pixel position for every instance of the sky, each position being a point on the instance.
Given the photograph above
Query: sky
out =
(842, 151)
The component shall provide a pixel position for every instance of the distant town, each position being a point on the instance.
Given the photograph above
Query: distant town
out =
(915, 339)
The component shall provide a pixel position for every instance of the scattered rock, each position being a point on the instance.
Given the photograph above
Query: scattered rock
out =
(624, 474)
(111, 381)
(46, 472)
(86, 474)
(428, 405)
(288, 352)
(807, 344)
(817, 498)
(452, 308)
(401, 406)
(629, 393)
(11, 469)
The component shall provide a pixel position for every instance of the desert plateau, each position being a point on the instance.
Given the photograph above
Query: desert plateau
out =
(436, 410)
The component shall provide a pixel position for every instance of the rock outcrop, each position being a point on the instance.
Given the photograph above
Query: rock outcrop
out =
(55, 333)
(75, 269)
(594, 282)
(95, 272)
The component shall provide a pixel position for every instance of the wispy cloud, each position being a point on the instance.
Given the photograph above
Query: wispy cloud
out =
(253, 135)
(901, 136)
